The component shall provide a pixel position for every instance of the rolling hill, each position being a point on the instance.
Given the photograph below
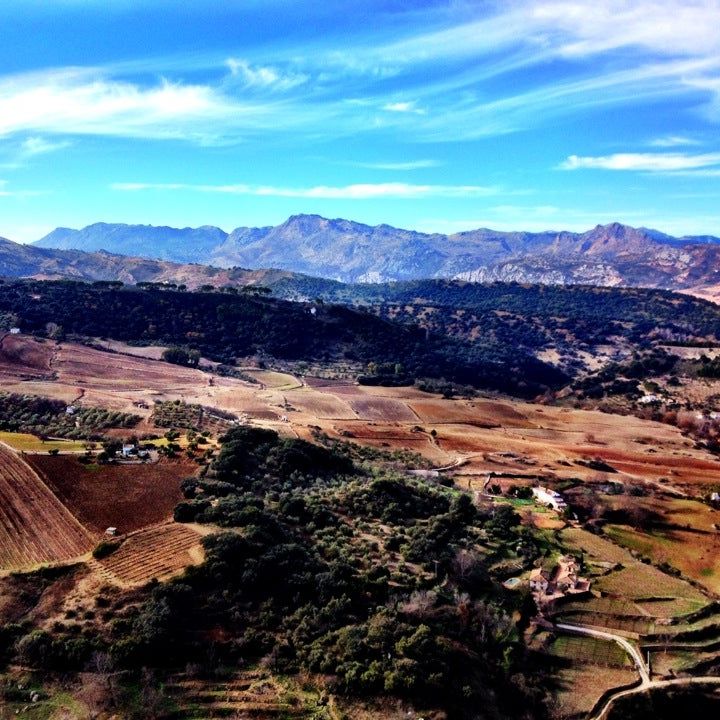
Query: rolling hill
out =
(31, 261)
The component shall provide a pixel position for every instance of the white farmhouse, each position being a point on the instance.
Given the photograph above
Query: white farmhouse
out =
(545, 496)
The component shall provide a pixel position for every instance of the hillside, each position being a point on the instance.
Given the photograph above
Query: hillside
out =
(32, 261)
(227, 326)
(608, 255)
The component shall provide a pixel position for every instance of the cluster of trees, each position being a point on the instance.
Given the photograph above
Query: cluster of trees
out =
(709, 368)
(417, 614)
(591, 312)
(299, 587)
(182, 356)
(530, 318)
(46, 417)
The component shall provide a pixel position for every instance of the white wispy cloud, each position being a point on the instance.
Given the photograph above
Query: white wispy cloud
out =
(264, 76)
(12, 193)
(668, 141)
(647, 162)
(40, 146)
(357, 191)
(404, 107)
(666, 27)
(444, 60)
(399, 166)
(86, 102)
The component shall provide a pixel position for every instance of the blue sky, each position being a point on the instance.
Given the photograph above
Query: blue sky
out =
(442, 116)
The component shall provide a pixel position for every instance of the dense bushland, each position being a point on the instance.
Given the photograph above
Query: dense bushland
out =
(224, 327)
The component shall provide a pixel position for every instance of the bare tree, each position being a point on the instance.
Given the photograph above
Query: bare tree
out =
(152, 694)
(420, 603)
(103, 665)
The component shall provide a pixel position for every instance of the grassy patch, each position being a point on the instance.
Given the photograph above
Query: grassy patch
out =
(694, 554)
(24, 442)
(645, 582)
(60, 705)
(590, 650)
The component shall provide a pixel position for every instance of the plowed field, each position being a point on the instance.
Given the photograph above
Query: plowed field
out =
(35, 527)
(127, 497)
(157, 552)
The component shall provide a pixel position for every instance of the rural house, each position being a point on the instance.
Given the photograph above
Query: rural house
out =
(540, 580)
(553, 499)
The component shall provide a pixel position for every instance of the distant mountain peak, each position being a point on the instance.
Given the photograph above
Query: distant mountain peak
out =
(350, 251)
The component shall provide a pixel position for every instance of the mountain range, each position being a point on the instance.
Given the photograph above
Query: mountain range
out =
(31, 261)
(350, 252)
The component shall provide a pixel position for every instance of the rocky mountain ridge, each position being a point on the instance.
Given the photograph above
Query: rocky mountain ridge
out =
(350, 252)
(353, 252)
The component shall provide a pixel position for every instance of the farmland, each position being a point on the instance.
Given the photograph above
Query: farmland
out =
(35, 527)
(580, 686)
(29, 360)
(515, 443)
(142, 494)
(695, 554)
(548, 441)
(24, 442)
(157, 552)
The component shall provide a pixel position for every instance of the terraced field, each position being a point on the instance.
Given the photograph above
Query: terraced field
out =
(251, 694)
(154, 553)
(35, 527)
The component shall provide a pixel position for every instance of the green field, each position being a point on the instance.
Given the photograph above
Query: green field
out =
(644, 582)
(589, 650)
(693, 553)
(23, 442)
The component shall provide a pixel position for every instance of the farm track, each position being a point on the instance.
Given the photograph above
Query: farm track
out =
(645, 683)
(602, 711)
(35, 527)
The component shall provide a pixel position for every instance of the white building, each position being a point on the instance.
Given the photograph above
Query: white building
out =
(549, 497)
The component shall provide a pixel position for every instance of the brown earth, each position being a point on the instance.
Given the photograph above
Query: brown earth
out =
(127, 497)
(550, 440)
(25, 357)
(35, 527)
(153, 553)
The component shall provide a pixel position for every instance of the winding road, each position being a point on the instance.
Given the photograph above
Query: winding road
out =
(706, 680)
(629, 648)
(646, 683)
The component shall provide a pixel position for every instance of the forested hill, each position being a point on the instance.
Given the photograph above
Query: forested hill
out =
(225, 326)
(531, 316)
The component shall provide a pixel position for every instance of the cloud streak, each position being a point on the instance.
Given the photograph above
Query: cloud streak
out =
(645, 162)
(264, 76)
(86, 102)
(357, 191)
(397, 166)
(446, 61)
